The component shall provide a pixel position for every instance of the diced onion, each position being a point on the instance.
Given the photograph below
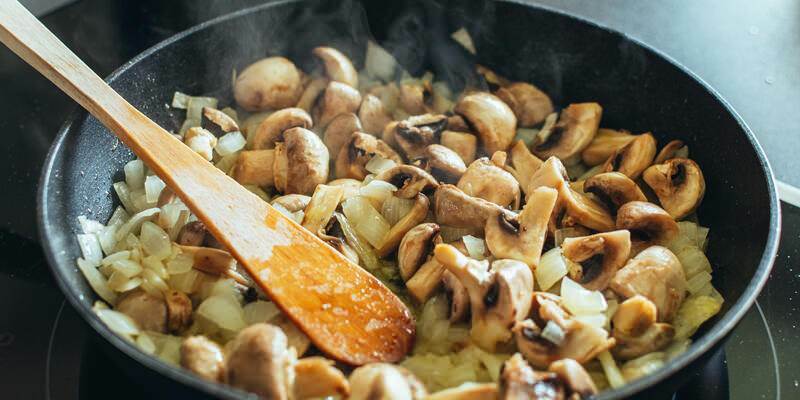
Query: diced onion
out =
(676, 348)
(365, 252)
(553, 333)
(260, 311)
(692, 313)
(377, 192)
(118, 322)
(153, 284)
(154, 264)
(128, 268)
(464, 39)
(580, 301)
(153, 186)
(222, 311)
(476, 247)
(379, 63)
(97, 281)
(321, 207)
(90, 225)
(194, 107)
(395, 208)
(134, 174)
(596, 320)
(613, 374)
(180, 100)
(146, 343)
(155, 240)
(119, 217)
(120, 255)
(135, 222)
(378, 164)
(182, 263)
(693, 260)
(551, 268)
(90, 247)
(230, 143)
(366, 221)
(698, 281)
(124, 195)
(187, 282)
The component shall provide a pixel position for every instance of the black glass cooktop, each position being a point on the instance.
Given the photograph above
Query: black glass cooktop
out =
(749, 51)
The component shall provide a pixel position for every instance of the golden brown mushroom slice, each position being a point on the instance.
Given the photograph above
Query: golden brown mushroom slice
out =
(584, 210)
(409, 180)
(529, 104)
(599, 257)
(524, 165)
(415, 133)
(414, 217)
(636, 331)
(575, 129)
(614, 189)
(575, 377)
(452, 207)
(673, 149)
(317, 378)
(634, 157)
(358, 151)
(648, 223)
(679, 185)
(657, 274)
(491, 118)
(462, 143)
(338, 66)
(422, 273)
(604, 144)
(148, 311)
(415, 97)
(486, 180)
(270, 129)
(270, 83)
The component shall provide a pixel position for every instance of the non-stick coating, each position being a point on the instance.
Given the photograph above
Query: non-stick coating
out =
(572, 60)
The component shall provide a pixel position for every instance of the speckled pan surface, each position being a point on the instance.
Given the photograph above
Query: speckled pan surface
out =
(570, 59)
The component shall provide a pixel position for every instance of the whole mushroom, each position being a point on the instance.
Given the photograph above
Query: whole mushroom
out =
(679, 185)
(373, 115)
(339, 131)
(385, 382)
(270, 129)
(585, 210)
(338, 67)
(301, 162)
(604, 144)
(259, 361)
(415, 133)
(409, 180)
(270, 83)
(491, 118)
(636, 331)
(337, 98)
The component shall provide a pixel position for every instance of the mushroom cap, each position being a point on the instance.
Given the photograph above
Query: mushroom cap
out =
(338, 98)
(306, 162)
(373, 115)
(356, 153)
(270, 129)
(679, 185)
(574, 377)
(604, 144)
(657, 274)
(522, 238)
(385, 381)
(149, 312)
(444, 164)
(584, 210)
(634, 157)
(415, 133)
(409, 180)
(614, 247)
(258, 361)
(636, 330)
(453, 207)
(339, 130)
(415, 97)
(491, 118)
(530, 105)
(485, 180)
(203, 357)
(573, 132)
(270, 83)
(415, 248)
(311, 93)
(647, 222)
(338, 67)
(519, 381)
(463, 144)
(614, 189)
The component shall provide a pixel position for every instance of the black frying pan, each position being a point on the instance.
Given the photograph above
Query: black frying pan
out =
(569, 58)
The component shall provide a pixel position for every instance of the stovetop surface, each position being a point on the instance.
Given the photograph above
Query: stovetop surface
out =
(749, 51)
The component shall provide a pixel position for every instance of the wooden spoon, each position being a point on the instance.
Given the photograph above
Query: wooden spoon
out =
(346, 312)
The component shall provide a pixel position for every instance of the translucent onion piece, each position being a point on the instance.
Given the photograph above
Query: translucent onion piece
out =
(194, 107)
(258, 192)
(134, 174)
(321, 207)
(124, 195)
(131, 284)
(693, 261)
(186, 282)
(155, 241)
(597, 320)
(451, 234)
(476, 247)
(153, 284)
(153, 186)
(135, 222)
(698, 282)
(464, 39)
(222, 311)
(551, 268)
(365, 252)
(167, 347)
(366, 221)
(230, 143)
(693, 312)
(377, 192)
(379, 63)
(676, 348)
(119, 217)
(180, 100)
(180, 264)
(378, 164)
(97, 281)
(154, 264)
(642, 366)
(118, 322)
(553, 333)
(127, 268)
(226, 163)
(145, 343)
(90, 248)
(260, 311)
(580, 301)
(395, 208)
(613, 374)
(90, 225)
(120, 255)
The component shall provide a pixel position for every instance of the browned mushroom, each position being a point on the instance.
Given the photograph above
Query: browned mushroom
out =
(529, 104)
(464, 144)
(492, 120)
(574, 377)
(414, 217)
(317, 378)
(485, 180)
(656, 274)
(373, 115)
(356, 153)
(409, 180)
(679, 185)
(599, 257)
(203, 357)
(636, 330)
(572, 133)
(301, 162)
(149, 312)
(339, 131)
(444, 164)
(669, 151)
(270, 129)
(386, 382)
(270, 83)
(337, 98)
(452, 207)
(648, 223)
(414, 134)
(259, 361)
(605, 143)
(338, 67)
(634, 157)
(585, 210)
(518, 381)
(614, 189)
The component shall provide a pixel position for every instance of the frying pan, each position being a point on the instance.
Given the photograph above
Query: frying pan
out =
(571, 59)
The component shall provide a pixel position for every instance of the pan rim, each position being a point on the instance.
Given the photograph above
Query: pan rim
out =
(719, 331)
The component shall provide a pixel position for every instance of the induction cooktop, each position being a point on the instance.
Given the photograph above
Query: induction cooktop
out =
(47, 352)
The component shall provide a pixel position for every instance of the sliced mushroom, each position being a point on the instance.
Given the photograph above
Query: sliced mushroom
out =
(338, 67)
(670, 150)
(614, 189)
(648, 223)
(525, 165)
(269, 131)
(259, 361)
(192, 234)
(529, 104)
(416, 246)
(270, 83)
(492, 120)
(339, 131)
(414, 134)
(317, 378)
(179, 310)
(385, 382)
(373, 115)
(452, 207)
(149, 312)
(457, 297)
(337, 98)
(492, 79)
(679, 185)
(499, 296)
(636, 330)
(292, 202)
(573, 132)
(581, 341)
(214, 261)
(574, 377)
(599, 256)
(584, 210)
(605, 143)
(656, 274)
(485, 180)
(463, 144)
(301, 162)
(522, 238)
(311, 93)
(219, 118)
(444, 164)
(415, 97)
(467, 391)
(518, 381)
(409, 180)
(395, 235)
(634, 157)
(203, 357)
(356, 153)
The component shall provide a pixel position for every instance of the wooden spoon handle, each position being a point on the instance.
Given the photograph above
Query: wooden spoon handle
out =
(344, 310)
